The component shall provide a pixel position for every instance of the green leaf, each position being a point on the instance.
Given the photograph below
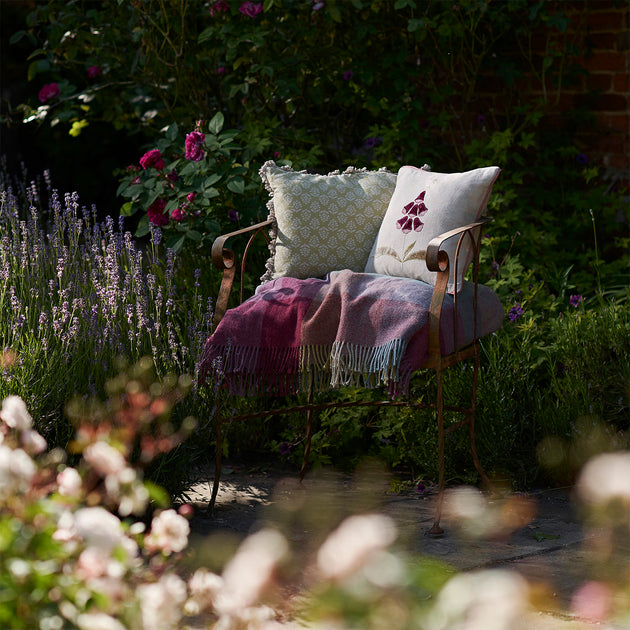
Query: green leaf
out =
(171, 132)
(193, 235)
(41, 65)
(216, 124)
(205, 35)
(175, 242)
(127, 209)
(16, 37)
(143, 227)
(268, 5)
(236, 185)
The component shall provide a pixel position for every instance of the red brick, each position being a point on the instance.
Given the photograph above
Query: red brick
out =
(619, 160)
(620, 122)
(604, 21)
(600, 62)
(611, 103)
(621, 83)
(603, 41)
(600, 81)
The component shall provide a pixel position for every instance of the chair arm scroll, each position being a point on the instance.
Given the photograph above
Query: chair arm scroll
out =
(225, 260)
(437, 260)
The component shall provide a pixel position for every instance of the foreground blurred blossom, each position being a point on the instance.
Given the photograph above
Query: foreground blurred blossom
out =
(104, 458)
(70, 483)
(169, 533)
(592, 601)
(353, 543)
(100, 528)
(16, 470)
(483, 600)
(127, 491)
(161, 603)
(204, 587)
(98, 621)
(33, 442)
(605, 478)
(250, 571)
(15, 413)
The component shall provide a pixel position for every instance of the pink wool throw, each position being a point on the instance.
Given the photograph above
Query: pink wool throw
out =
(348, 329)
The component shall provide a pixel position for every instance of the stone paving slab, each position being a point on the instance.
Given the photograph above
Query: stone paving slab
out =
(546, 545)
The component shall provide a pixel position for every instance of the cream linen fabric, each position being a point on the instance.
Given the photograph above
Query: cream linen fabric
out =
(424, 205)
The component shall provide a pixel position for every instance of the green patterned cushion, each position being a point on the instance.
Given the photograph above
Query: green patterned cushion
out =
(323, 222)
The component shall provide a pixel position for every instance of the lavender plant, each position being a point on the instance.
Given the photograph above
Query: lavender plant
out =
(76, 294)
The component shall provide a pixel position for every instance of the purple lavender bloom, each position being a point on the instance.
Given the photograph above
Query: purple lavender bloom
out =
(576, 300)
(515, 312)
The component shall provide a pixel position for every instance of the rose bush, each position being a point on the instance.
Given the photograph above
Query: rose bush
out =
(192, 189)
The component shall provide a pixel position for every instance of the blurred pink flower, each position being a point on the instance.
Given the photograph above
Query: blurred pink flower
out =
(93, 72)
(50, 90)
(218, 6)
(169, 533)
(194, 142)
(104, 459)
(251, 9)
(69, 482)
(152, 158)
(179, 215)
(156, 213)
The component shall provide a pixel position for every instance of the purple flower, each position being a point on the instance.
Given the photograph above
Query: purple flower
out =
(285, 448)
(93, 72)
(481, 120)
(222, 70)
(194, 142)
(156, 212)
(421, 488)
(233, 215)
(347, 75)
(413, 211)
(515, 312)
(152, 158)
(173, 176)
(179, 215)
(251, 9)
(370, 143)
(219, 6)
(576, 300)
(318, 5)
(581, 158)
(50, 90)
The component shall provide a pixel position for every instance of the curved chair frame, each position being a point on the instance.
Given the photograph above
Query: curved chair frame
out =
(437, 260)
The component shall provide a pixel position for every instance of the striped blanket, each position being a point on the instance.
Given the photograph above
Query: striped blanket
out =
(348, 329)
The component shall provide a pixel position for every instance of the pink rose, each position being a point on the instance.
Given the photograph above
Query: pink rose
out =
(219, 6)
(179, 215)
(50, 90)
(194, 142)
(152, 158)
(93, 72)
(156, 213)
(190, 197)
(251, 9)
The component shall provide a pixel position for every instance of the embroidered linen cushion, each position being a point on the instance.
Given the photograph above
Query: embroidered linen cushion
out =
(424, 205)
(323, 222)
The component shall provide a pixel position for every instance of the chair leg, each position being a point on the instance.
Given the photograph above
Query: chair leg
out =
(436, 531)
(471, 423)
(309, 435)
(217, 468)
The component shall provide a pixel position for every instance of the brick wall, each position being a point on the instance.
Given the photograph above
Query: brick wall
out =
(603, 33)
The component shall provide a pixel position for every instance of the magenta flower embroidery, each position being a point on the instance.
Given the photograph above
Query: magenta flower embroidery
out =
(251, 9)
(152, 158)
(411, 215)
(194, 142)
(50, 90)
(156, 213)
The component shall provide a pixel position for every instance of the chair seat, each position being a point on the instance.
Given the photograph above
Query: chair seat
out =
(347, 329)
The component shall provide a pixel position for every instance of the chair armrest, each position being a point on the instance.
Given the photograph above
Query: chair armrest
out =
(437, 260)
(224, 260)
(435, 244)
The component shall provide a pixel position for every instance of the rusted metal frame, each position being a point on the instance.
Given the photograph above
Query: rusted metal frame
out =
(224, 260)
